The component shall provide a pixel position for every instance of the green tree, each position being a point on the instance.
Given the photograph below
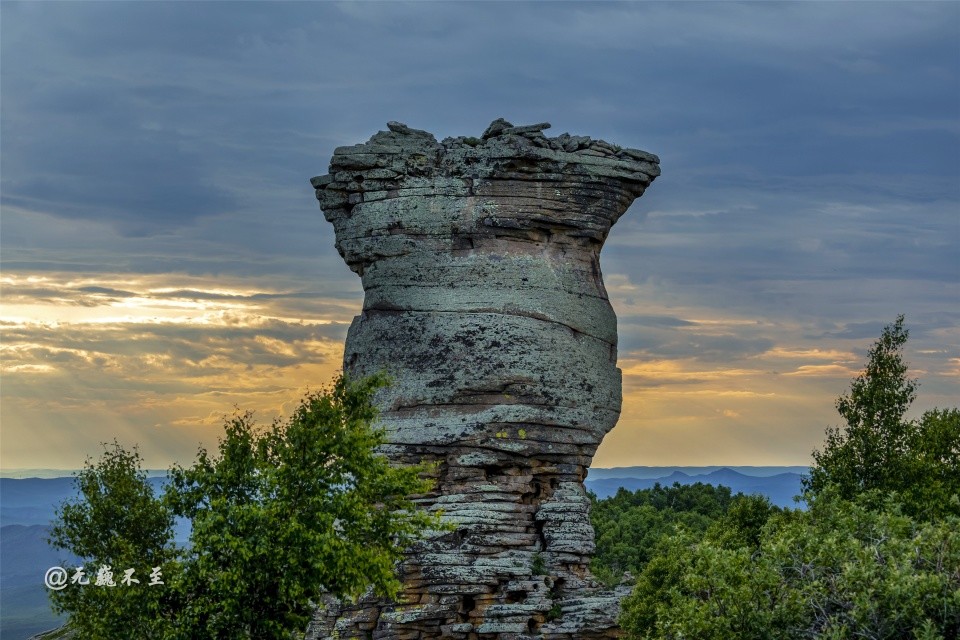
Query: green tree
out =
(880, 450)
(279, 515)
(843, 569)
(629, 525)
(876, 555)
(118, 524)
(870, 452)
(931, 482)
(743, 522)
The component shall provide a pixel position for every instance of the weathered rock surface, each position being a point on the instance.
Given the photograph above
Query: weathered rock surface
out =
(484, 299)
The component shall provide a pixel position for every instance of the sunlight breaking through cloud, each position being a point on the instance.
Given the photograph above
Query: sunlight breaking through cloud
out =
(176, 357)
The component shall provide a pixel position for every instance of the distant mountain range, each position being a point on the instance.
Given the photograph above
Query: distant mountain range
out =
(33, 500)
(24, 558)
(27, 506)
(779, 484)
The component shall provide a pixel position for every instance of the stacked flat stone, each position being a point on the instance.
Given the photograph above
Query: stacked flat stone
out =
(484, 300)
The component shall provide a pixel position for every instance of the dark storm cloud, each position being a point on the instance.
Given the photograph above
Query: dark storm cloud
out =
(151, 116)
(137, 185)
(787, 235)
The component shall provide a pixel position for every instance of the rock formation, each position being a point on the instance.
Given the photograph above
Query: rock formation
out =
(483, 298)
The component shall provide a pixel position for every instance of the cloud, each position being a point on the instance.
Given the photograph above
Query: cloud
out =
(704, 347)
(659, 372)
(156, 357)
(823, 370)
(167, 254)
(160, 367)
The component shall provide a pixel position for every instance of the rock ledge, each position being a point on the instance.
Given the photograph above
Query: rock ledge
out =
(484, 299)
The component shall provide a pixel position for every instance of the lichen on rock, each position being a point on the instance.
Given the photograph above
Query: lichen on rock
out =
(479, 259)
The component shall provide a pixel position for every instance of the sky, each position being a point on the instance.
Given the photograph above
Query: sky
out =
(163, 261)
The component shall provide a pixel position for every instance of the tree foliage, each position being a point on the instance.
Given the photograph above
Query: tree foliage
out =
(117, 524)
(279, 515)
(629, 525)
(931, 486)
(841, 570)
(879, 450)
(869, 452)
(876, 555)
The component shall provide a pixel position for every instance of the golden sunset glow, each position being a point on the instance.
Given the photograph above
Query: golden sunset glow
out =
(85, 360)
(159, 361)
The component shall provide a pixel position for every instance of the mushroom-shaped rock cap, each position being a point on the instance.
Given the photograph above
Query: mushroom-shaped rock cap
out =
(387, 156)
(516, 172)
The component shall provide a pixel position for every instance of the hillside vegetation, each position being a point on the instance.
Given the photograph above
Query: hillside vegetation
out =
(876, 554)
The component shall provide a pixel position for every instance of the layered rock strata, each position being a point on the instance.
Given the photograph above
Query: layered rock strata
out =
(484, 299)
